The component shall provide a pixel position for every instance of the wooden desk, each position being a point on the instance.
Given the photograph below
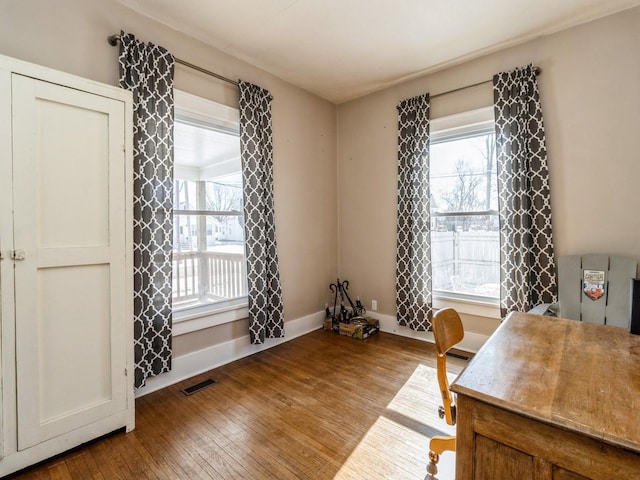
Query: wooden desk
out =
(549, 398)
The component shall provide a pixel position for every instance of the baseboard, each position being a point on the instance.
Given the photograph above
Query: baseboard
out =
(470, 343)
(215, 356)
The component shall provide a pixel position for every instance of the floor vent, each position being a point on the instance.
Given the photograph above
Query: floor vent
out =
(461, 356)
(198, 386)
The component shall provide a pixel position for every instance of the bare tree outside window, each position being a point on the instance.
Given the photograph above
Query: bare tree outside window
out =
(225, 199)
(465, 195)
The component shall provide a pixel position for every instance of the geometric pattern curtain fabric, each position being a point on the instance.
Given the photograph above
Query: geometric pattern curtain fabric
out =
(147, 70)
(528, 275)
(266, 316)
(413, 266)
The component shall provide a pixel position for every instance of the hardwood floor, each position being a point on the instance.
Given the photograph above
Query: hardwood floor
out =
(322, 406)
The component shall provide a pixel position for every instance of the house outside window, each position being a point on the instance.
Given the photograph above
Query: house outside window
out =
(209, 267)
(465, 241)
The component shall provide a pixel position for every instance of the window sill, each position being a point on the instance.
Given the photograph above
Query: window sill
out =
(469, 307)
(188, 321)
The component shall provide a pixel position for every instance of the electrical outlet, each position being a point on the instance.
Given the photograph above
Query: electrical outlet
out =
(374, 305)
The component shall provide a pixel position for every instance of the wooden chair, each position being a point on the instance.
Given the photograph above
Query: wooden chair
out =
(447, 331)
(609, 305)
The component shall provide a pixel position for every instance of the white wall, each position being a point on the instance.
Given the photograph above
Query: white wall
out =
(590, 91)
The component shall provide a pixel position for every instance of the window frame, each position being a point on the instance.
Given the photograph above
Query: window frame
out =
(199, 111)
(457, 127)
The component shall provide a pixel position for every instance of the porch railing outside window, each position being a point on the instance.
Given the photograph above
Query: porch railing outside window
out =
(208, 276)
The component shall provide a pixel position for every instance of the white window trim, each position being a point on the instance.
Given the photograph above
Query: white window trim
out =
(489, 309)
(453, 127)
(200, 110)
(460, 124)
(194, 319)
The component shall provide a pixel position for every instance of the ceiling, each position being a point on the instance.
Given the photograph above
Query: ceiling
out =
(206, 154)
(343, 49)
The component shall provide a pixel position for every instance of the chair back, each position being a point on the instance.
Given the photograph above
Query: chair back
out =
(447, 332)
(596, 288)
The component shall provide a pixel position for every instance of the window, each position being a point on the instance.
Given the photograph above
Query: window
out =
(465, 242)
(209, 269)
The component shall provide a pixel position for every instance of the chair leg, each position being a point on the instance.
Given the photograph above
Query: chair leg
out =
(437, 445)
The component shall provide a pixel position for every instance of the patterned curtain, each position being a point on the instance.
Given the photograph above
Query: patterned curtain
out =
(266, 318)
(413, 268)
(147, 70)
(528, 274)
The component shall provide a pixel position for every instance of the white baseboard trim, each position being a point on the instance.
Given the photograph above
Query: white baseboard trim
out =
(215, 356)
(470, 343)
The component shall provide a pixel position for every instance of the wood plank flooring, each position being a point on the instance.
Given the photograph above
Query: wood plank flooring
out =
(322, 406)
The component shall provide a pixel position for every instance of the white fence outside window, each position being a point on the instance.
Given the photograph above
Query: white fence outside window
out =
(466, 262)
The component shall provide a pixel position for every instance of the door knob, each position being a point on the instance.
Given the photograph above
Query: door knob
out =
(18, 254)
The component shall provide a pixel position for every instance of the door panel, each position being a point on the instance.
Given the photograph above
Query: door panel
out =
(496, 460)
(68, 298)
(73, 196)
(69, 218)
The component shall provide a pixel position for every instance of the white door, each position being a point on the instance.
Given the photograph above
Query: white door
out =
(69, 224)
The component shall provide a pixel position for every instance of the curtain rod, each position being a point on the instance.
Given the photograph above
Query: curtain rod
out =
(536, 70)
(114, 39)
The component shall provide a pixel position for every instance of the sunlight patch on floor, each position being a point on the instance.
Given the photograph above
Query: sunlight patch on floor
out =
(397, 444)
(419, 399)
(391, 451)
